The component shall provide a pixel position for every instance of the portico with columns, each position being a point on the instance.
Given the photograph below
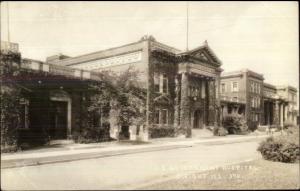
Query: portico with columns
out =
(279, 105)
(197, 90)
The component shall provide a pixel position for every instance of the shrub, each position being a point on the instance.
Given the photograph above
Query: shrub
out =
(284, 148)
(288, 124)
(252, 126)
(235, 124)
(162, 131)
(92, 135)
(220, 131)
(262, 128)
(180, 131)
(276, 127)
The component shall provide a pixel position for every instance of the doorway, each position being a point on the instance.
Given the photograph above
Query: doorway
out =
(198, 119)
(58, 120)
(124, 133)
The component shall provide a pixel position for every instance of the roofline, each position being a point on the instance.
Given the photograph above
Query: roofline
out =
(269, 85)
(286, 86)
(201, 47)
(89, 54)
(240, 72)
(32, 60)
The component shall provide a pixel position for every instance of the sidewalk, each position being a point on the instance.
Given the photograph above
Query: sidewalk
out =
(87, 151)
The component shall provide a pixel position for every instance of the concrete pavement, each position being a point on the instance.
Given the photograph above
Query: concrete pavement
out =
(81, 152)
(129, 171)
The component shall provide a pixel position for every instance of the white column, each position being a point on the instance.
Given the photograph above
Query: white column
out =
(281, 114)
(286, 112)
(69, 134)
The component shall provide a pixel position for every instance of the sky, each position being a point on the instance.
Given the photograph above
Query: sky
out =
(260, 36)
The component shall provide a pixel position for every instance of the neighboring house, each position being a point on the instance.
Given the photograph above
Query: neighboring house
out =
(244, 92)
(288, 111)
(241, 93)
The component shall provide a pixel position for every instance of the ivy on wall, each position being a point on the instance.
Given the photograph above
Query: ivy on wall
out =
(10, 98)
(115, 101)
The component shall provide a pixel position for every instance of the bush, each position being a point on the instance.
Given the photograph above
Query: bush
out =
(262, 128)
(220, 131)
(235, 124)
(276, 127)
(284, 148)
(161, 131)
(180, 131)
(288, 124)
(92, 135)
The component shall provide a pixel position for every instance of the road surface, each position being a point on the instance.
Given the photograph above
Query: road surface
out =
(127, 171)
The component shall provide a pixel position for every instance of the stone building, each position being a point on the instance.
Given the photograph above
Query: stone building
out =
(244, 92)
(182, 86)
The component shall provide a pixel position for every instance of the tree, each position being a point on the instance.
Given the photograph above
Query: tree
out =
(10, 98)
(121, 96)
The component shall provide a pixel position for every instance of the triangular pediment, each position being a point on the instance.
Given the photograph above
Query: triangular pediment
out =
(162, 99)
(204, 53)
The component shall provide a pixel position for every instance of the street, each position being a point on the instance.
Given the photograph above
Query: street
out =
(127, 171)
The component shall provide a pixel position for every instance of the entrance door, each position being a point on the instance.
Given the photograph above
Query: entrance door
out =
(58, 120)
(198, 119)
(124, 134)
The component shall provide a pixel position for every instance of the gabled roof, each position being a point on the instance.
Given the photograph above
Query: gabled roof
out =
(202, 48)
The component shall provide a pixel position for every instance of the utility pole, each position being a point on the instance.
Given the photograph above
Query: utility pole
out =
(187, 26)
(7, 11)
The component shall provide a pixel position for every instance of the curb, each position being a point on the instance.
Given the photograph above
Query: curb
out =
(15, 163)
(5, 164)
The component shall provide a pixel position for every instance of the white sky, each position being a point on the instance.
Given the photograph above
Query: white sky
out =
(261, 36)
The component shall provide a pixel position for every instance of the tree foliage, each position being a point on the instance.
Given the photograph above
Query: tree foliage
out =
(10, 98)
(121, 95)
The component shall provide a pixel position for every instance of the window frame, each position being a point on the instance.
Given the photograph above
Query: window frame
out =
(162, 122)
(223, 87)
(235, 89)
(165, 84)
(156, 118)
(156, 82)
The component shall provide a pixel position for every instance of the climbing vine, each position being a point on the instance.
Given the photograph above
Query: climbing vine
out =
(10, 98)
(115, 101)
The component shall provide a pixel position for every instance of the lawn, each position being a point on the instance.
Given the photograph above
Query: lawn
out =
(258, 174)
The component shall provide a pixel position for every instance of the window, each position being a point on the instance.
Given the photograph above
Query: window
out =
(252, 102)
(229, 110)
(156, 82)
(164, 116)
(197, 92)
(222, 88)
(165, 84)
(251, 87)
(258, 87)
(235, 99)
(234, 86)
(258, 102)
(256, 117)
(96, 118)
(156, 116)
(24, 113)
